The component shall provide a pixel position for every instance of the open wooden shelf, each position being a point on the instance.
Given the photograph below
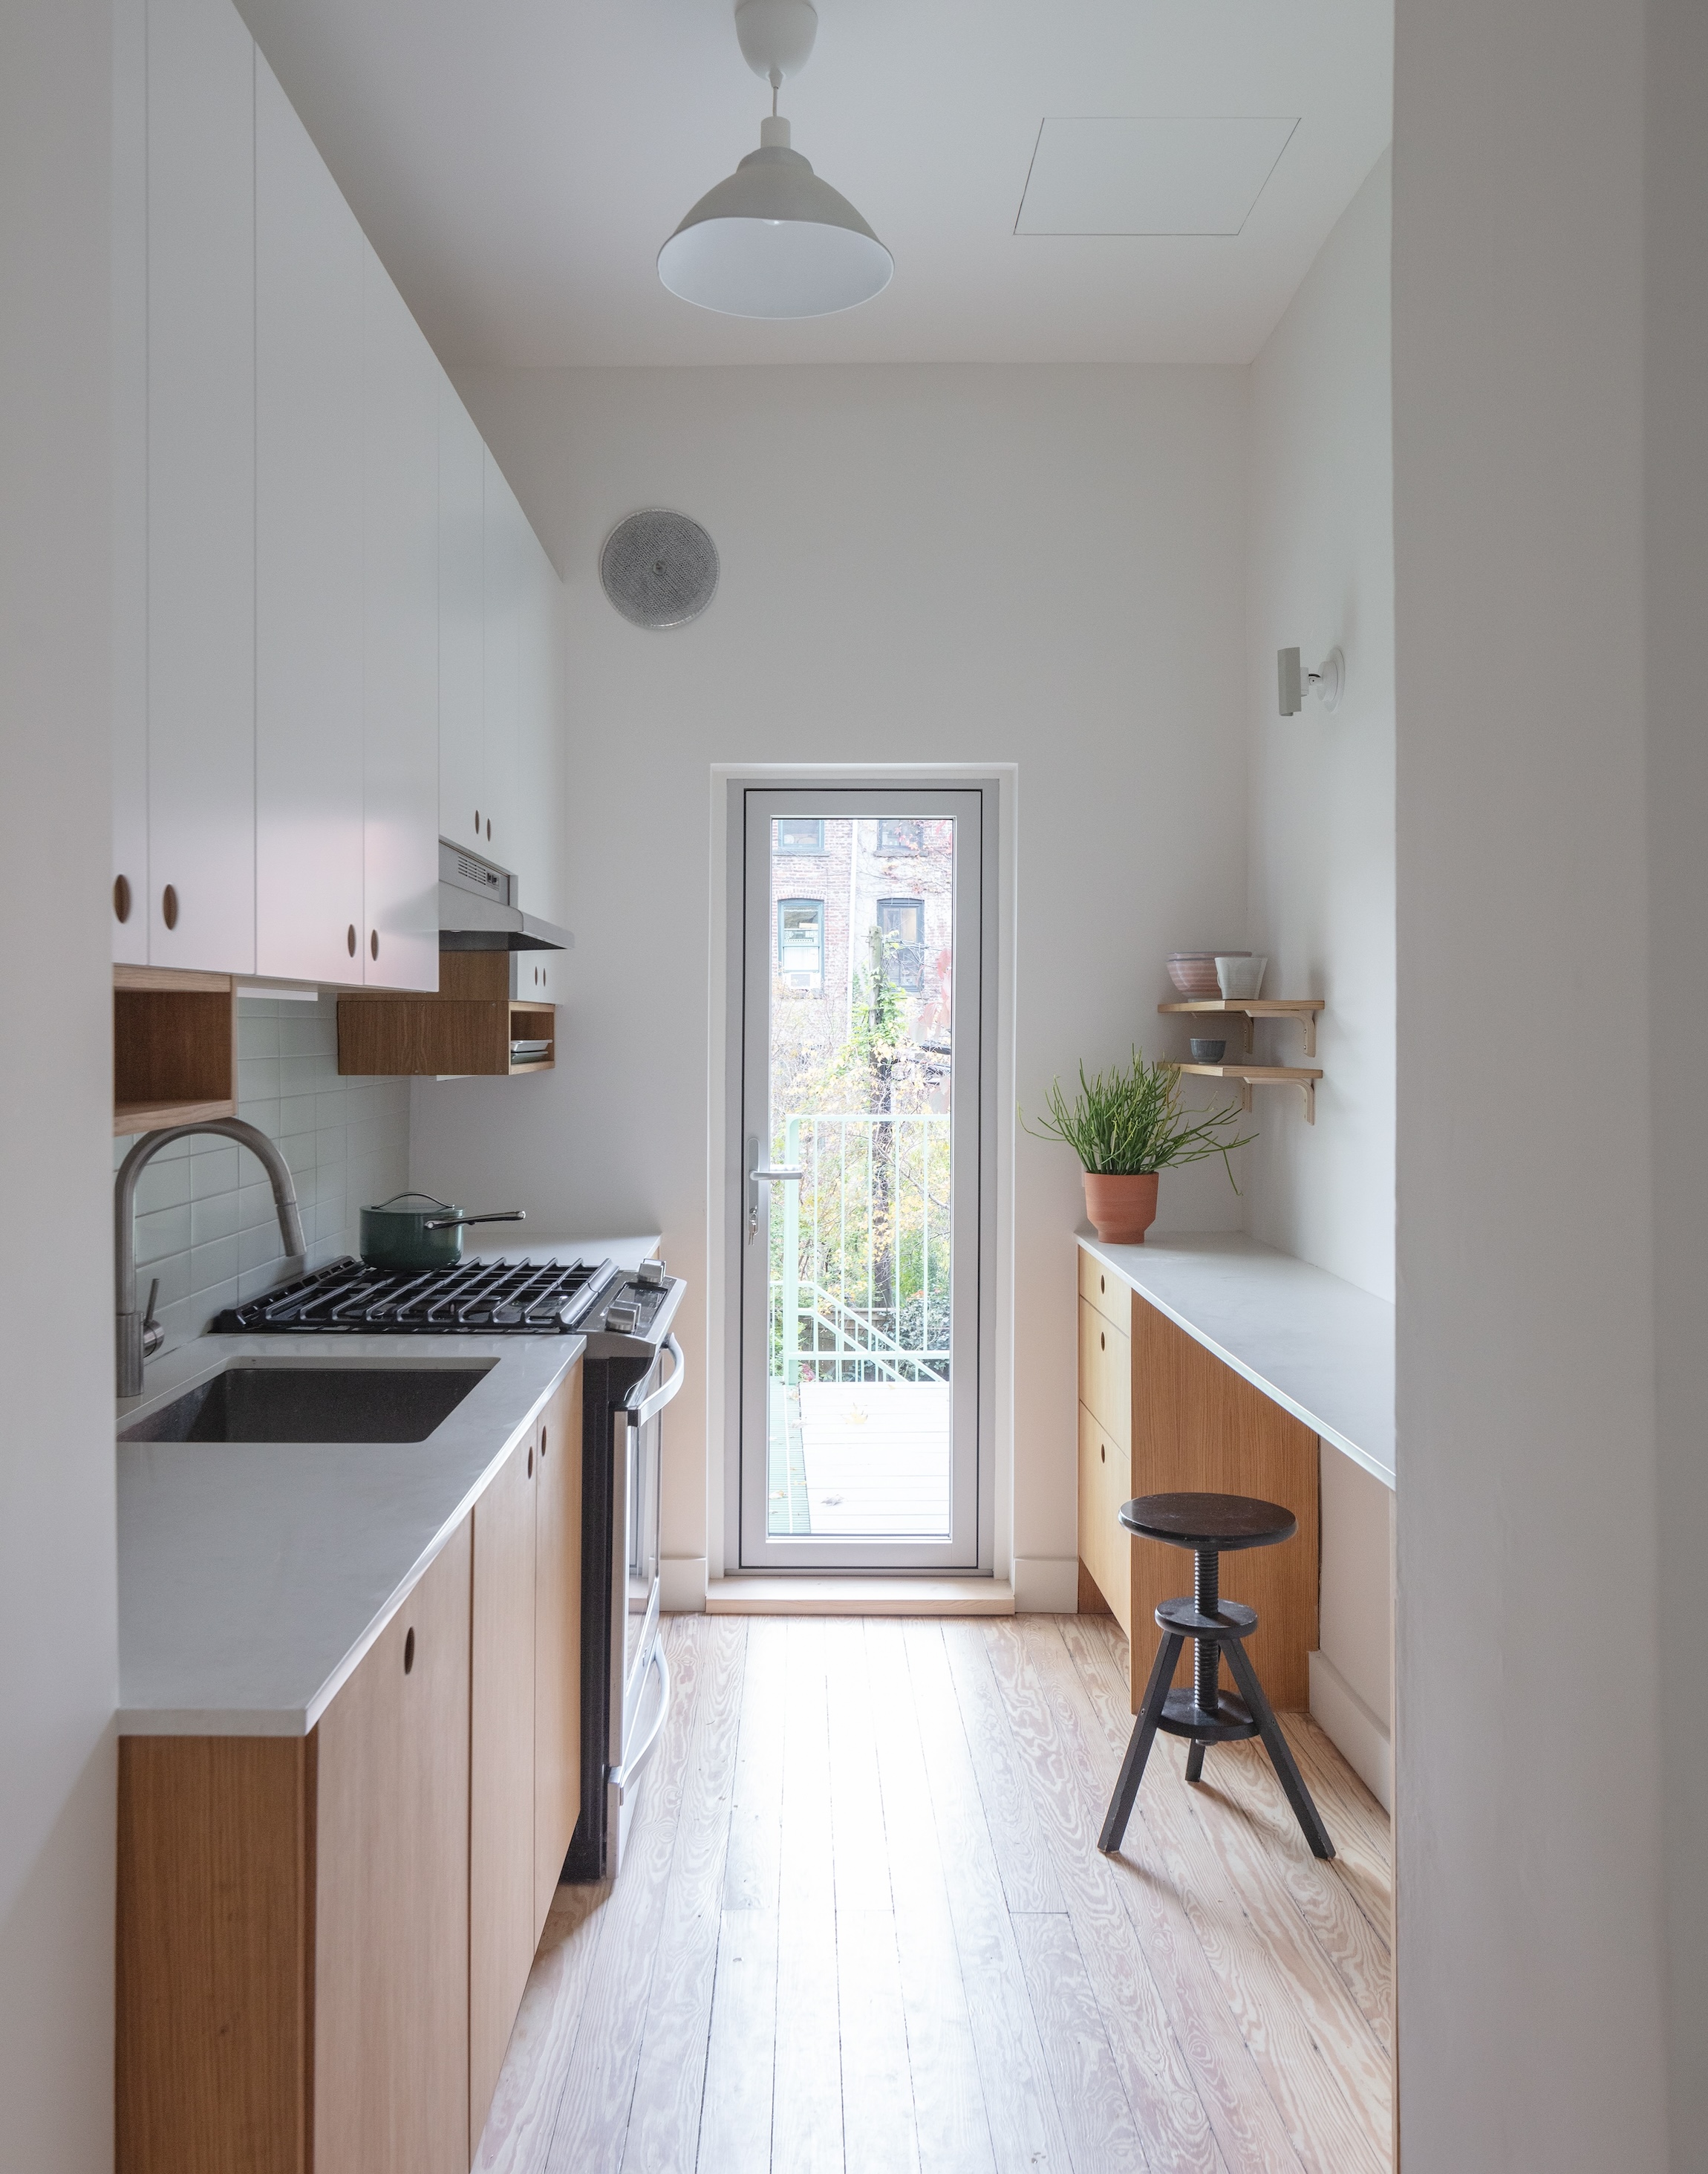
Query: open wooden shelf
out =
(1303, 1008)
(175, 1048)
(1305, 1077)
(466, 1029)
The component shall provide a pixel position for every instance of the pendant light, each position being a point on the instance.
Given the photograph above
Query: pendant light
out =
(774, 240)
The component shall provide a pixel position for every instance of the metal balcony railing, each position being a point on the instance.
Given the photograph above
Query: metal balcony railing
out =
(860, 1266)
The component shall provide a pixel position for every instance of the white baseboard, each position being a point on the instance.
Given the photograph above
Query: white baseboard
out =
(858, 1595)
(1362, 1740)
(681, 1585)
(1046, 1585)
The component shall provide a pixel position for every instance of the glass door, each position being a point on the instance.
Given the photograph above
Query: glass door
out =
(860, 1111)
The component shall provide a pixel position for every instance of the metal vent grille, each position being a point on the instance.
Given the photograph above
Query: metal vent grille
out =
(659, 569)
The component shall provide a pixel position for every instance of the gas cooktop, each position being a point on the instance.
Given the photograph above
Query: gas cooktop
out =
(490, 1297)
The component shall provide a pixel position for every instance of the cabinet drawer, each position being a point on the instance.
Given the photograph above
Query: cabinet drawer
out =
(1112, 1298)
(1105, 1373)
(1105, 1550)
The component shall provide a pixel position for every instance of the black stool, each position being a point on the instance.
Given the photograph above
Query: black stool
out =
(1210, 1525)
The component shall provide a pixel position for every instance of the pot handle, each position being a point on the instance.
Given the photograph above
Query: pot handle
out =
(431, 1198)
(463, 1222)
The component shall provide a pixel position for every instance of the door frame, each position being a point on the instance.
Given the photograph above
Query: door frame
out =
(996, 784)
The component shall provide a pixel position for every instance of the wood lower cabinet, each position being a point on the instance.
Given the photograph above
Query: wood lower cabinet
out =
(557, 1640)
(1161, 1415)
(292, 1924)
(501, 1927)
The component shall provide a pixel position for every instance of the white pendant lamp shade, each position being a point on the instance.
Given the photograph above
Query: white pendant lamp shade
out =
(774, 241)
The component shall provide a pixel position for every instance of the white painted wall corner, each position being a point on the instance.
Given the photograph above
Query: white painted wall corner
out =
(681, 1585)
(1046, 1585)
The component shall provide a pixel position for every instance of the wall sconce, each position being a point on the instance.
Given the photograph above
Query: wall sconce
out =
(1325, 683)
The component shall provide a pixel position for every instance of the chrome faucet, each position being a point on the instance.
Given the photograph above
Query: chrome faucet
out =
(138, 1338)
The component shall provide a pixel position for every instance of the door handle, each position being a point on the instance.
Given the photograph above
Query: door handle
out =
(758, 1174)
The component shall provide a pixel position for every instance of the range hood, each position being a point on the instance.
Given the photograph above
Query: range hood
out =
(479, 909)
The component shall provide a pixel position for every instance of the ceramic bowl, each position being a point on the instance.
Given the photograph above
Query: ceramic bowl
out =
(1193, 973)
(1238, 974)
(1208, 1052)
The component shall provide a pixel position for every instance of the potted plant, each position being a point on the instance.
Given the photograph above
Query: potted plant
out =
(1125, 1126)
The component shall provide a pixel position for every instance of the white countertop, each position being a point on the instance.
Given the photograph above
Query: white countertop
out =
(1322, 1348)
(253, 1577)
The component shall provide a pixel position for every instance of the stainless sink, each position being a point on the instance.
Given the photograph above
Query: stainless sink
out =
(311, 1403)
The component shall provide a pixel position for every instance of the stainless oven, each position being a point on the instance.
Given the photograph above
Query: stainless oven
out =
(639, 1678)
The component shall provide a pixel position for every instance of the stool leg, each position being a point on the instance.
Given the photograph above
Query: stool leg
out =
(1280, 1757)
(1207, 1659)
(1138, 1745)
(1194, 1762)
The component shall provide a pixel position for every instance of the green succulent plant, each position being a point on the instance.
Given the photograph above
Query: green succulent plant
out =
(1128, 1122)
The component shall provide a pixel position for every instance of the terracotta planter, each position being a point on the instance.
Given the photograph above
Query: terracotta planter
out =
(1121, 1209)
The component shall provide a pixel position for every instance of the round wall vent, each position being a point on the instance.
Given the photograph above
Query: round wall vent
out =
(659, 569)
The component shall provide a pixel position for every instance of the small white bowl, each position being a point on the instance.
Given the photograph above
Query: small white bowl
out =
(1239, 974)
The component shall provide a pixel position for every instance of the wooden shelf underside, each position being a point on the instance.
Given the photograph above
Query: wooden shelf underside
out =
(1303, 1008)
(130, 1117)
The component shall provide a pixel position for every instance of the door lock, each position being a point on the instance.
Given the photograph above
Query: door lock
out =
(759, 1175)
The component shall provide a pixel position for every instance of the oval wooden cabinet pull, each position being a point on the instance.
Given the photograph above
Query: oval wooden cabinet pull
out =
(408, 1650)
(374, 943)
(1103, 1453)
(350, 940)
(1102, 1341)
(477, 822)
(543, 1444)
(121, 897)
(168, 907)
(1101, 1285)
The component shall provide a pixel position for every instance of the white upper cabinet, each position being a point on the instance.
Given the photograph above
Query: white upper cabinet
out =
(461, 624)
(309, 556)
(400, 715)
(130, 514)
(506, 528)
(201, 487)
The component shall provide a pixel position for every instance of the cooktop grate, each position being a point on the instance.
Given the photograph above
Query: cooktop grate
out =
(512, 1298)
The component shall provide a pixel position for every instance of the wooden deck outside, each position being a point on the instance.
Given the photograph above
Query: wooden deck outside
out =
(864, 1926)
(857, 1458)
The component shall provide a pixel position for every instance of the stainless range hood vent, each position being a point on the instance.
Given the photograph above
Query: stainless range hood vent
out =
(479, 910)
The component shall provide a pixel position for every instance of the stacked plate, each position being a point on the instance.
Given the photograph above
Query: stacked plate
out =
(529, 1053)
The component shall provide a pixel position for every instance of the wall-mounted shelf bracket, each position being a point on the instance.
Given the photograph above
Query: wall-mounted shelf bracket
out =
(1262, 1075)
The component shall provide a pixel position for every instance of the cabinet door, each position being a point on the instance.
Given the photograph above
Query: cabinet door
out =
(308, 545)
(503, 526)
(400, 724)
(557, 1640)
(1105, 1473)
(201, 69)
(501, 1800)
(461, 617)
(391, 1954)
(539, 814)
(130, 518)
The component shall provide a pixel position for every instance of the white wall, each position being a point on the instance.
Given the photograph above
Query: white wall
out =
(1320, 572)
(58, 1640)
(1551, 476)
(951, 563)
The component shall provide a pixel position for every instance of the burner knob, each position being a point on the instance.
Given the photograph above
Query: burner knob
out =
(652, 1274)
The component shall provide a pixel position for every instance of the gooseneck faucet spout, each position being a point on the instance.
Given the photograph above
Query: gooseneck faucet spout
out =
(138, 1340)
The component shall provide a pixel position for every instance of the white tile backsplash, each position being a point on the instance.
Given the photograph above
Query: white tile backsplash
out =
(205, 1219)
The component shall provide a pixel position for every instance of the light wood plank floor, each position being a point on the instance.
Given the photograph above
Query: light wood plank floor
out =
(864, 1926)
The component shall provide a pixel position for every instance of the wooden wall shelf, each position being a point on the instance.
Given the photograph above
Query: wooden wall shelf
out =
(1303, 1008)
(1262, 1075)
(469, 1028)
(175, 1048)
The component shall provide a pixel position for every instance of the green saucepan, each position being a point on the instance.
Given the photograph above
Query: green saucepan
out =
(414, 1231)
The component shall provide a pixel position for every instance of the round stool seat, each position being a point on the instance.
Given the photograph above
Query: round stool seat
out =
(1182, 1715)
(1230, 1620)
(1218, 1523)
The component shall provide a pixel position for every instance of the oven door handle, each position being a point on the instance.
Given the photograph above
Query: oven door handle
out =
(639, 1414)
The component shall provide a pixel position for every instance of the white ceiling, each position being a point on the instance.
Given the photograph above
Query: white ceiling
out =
(518, 162)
